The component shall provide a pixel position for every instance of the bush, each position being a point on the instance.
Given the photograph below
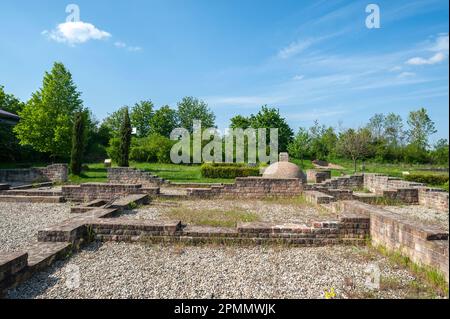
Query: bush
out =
(154, 148)
(431, 179)
(227, 170)
(113, 149)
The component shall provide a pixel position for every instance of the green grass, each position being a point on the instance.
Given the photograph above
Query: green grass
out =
(172, 172)
(211, 217)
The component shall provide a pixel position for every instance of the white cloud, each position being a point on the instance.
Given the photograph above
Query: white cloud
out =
(76, 33)
(298, 77)
(123, 45)
(437, 58)
(294, 48)
(440, 46)
(395, 69)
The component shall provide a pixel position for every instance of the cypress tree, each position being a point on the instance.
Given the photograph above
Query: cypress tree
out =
(78, 139)
(125, 140)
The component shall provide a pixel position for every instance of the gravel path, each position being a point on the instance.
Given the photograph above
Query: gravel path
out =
(20, 222)
(119, 270)
(423, 214)
(269, 211)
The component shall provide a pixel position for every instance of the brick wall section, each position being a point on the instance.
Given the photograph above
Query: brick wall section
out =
(91, 191)
(408, 192)
(315, 176)
(434, 198)
(424, 245)
(52, 173)
(251, 187)
(349, 182)
(129, 175)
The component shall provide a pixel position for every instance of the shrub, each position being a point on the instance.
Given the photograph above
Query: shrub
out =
(113, 149)
(431, 179)
(154, 148)
(227, 170)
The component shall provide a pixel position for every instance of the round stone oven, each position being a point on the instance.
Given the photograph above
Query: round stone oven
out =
(283, 170)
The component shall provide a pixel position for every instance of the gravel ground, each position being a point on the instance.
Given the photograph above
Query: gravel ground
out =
(20, 222)
(119, 270)
(423, 214)
(266, 210)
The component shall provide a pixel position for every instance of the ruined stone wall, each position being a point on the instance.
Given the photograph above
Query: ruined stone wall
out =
(434, 198)
(315, 176)
(51, 173)
(425, 245)
(408, 192)
(251, 187)
(91, 191)
(128, 175)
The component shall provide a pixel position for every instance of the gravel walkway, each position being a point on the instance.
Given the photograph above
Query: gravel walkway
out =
(20, 222)
(269, 211)
(426, 215)
(119, 270)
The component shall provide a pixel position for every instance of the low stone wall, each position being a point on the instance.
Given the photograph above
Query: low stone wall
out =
(92, 191)
(434, 198)
(424, 245)
(251, 187)
(407, 192)
(53, 173)
(129, 175)
(343, 182)
(317, 176)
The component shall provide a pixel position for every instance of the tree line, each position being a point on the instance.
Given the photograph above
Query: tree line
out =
(55, 125)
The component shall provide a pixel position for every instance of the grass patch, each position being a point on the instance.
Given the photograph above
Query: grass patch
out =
(386, 201)
(427, 274)
(212, 217)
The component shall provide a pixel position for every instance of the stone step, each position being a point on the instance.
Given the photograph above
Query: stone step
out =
(31, 199)
(315, 197)
(31, 192)
(43, 254)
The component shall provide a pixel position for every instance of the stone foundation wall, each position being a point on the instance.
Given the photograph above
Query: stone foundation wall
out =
(92, 191)
(251, 187)
(408, 192)
(315, 176)
(434, 198)
(128, 175)
(343, 182)
(52, 173)
(424, 245)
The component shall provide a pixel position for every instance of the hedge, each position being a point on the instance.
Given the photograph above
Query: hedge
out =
(228, 170)
(431, 179)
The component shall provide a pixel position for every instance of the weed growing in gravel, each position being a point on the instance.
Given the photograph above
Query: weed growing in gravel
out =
(429, 275)
(212, 217)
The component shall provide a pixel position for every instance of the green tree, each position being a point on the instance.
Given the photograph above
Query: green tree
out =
(113, 121)
(240, 121)
(78, 143)
(420, 128)
(393, 129)
(354, 144)
(376, 126)
(125, 140)
(440, 152)
(190, 109)
(300, 145)
(271, 118)
(47, 119)
(164, 121)
(141, 115)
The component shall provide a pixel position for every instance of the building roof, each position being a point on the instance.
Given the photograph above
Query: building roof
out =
(8, 117)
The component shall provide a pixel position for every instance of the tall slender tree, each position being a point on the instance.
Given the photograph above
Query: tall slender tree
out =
(78, 143)
(46, 121)
(125, 140)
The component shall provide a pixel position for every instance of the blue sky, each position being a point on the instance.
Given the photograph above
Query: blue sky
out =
(311, 59)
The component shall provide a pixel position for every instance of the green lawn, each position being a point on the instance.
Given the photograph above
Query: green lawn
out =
(172, 172)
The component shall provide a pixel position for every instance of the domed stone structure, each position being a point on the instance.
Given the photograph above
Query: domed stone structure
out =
(283, 170)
